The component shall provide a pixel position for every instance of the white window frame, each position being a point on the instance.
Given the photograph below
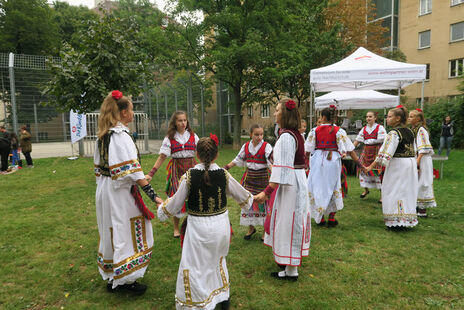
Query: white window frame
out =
(456, 2)
(457, 65)
(451, 32)
(430, 39)
(425, 7)
(265, 110)
(250, 111)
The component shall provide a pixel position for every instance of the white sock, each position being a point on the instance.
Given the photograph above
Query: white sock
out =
(291, 271)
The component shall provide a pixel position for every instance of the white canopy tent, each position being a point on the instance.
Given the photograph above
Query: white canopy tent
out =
(356, 99)
(364, 70)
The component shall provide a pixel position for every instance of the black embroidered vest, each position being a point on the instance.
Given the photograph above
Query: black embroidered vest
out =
(204, 200)
(406, 145)
(103, 146)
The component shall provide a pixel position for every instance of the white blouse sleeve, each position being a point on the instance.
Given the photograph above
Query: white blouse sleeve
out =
(310, 143)
(196, 140)
(388, 148)
(165, 147)
(125, 168)
(423, 142)
(360, 136)
(343, 142)
(173, 204)
(268, 152)
(284, 156)
(381, 134)
(239, 160)
(238, 192)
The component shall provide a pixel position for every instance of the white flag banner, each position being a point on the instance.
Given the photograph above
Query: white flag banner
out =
(78, 126)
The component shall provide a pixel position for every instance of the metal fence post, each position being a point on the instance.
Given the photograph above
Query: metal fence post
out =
(13, 92)
(36, 124)
(166, 108)
(157, 115)
(63, 122)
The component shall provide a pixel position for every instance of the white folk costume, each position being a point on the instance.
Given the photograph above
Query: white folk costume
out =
(181, 149)
(324, 184)
(400, 185)
(126, 236)
(255, 179)
(372, 137)
(290, 223)
(203, 279)
(425, 196)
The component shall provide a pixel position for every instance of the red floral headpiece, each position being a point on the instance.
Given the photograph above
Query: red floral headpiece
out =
(116, 94)
(419, 110)
(290, 104)
(399, 106)
(333, 107)
(213, 137)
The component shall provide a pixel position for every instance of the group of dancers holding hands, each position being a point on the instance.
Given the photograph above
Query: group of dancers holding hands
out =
(275, 192)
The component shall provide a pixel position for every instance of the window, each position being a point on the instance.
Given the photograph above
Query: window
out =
(427, 72)
(455, 67)
(250, 111)
(457, 32)
(425, 7)
(456, 2)
(265, 110)
(424, 39)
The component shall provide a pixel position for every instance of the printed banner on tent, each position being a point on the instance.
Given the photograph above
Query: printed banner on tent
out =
(78, 126)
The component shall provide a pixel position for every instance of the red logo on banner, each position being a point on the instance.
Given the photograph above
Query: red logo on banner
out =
(362, 57)
(74, 129)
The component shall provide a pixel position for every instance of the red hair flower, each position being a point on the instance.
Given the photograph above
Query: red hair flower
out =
(333, 107)
(419, 110)
(213, 137)
(290, 104)
(116, 94)
(399, 106)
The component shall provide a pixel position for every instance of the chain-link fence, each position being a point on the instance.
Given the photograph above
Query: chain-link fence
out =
(22, 78)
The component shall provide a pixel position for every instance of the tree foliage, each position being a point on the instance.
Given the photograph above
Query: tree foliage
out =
(28, 27)
(107, 58)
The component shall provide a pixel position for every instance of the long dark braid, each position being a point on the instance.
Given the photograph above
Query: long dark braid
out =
(207, 151)
(329, 114)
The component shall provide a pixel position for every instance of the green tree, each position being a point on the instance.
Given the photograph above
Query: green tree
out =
(28, 27)
(107, 58)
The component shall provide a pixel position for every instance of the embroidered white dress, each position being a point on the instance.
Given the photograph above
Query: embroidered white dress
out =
(365, 180)
(290, 226)
(425, 196)
(126, 237)
(203, 279)
(399, 186)
(253, 216)
(324, 185)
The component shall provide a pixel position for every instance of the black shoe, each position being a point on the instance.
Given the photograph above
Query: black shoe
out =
(225, 305)
(282, 267)
(364, 194)
(248, 237)
(289, 278)
(110, 289)
(332, 223)
(136, 288)
(321, 223)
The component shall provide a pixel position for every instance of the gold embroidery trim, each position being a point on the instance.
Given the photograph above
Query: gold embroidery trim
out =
(188, 293)
(132, 270)
(108, 261)
(163, 207)
(120, 175)
(132, 257)
(426, 200)
(134, 237)
(111, 233)
(242, 204)
(124, 163)
(223, 274)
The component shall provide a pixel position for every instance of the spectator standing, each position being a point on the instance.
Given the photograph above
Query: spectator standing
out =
(14, 144)
(26, 145)
(447, 133)
(4, 148)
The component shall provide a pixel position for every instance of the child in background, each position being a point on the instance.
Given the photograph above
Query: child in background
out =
(302, 128)
(180, 143)
(372, 136)
(399, 185)
(254, 155)
(203, 279)
(425, 196)
(14, 149)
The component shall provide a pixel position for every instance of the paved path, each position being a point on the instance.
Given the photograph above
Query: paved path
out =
(62, 149)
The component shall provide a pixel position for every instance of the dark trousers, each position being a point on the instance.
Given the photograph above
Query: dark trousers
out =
(4, 154)
(28, 158)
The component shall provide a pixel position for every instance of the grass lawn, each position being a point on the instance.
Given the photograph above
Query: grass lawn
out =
(48, 250)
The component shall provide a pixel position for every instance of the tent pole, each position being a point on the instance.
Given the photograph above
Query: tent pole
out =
(422, 95)
(311, 106)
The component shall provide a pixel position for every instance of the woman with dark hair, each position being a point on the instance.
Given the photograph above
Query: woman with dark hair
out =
(400, 183)
(447, 133)
(203, 279)
(328, 144)
(289, 233)
(26, 145)
(180, 144)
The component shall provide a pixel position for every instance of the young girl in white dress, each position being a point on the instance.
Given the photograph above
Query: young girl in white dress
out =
(328, 144)
(290, 223)
(425, 196)
(124, 227)
(179, 144)
(400, 185)
(255, 156)
(372, 136)
(203, 279)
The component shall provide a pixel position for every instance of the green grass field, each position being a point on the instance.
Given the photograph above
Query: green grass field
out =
(49, 237)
